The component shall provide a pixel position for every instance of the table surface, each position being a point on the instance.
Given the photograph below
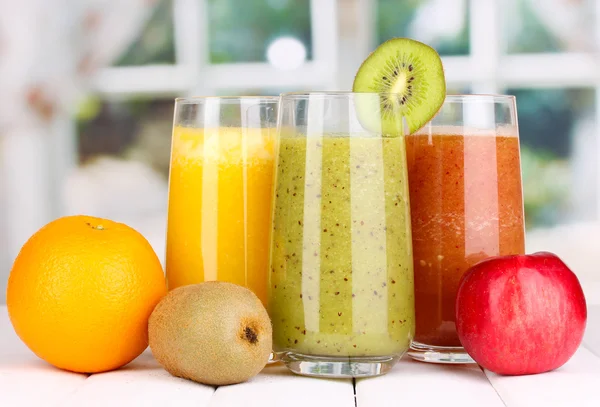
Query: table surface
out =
(26, 380)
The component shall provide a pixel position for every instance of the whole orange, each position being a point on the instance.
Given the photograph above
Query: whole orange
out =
(81, 291)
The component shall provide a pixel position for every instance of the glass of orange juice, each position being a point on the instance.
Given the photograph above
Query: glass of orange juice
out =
(220, 187)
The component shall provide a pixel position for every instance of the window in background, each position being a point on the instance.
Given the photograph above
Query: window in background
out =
(549, 25)
(559, 153)
(442, 24)
(246, 31)
(137, 129)
(156, 43)
(124, 149)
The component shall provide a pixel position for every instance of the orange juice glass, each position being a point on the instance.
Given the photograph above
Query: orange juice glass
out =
(220, 183)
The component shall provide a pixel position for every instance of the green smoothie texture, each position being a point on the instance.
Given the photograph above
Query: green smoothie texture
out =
(341, 280)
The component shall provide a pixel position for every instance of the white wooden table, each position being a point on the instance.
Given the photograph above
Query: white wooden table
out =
(26, 380)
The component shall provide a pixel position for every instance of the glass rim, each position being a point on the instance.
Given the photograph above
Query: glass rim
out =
(450, 98)
(200, 99)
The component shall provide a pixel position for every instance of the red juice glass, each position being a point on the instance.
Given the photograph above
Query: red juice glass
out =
(466, 205)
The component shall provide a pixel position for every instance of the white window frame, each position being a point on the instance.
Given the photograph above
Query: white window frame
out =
(335, 57)
(194, 74)
(487, 68)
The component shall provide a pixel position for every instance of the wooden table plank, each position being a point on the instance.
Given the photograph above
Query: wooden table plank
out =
(36, 384)
(577, 383)
(26, 380)
(276, 387)
(141, 383)
(413, 383)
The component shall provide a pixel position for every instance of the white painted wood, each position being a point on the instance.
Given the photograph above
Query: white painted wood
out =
(542, 70)
(485, 40)
(574, 384)
(485, 69)
(25, 380)
(149, 80)
(357, 37)
(141, 383)
(591, 339)
(190, 33)
(413, 383)
(276, 387)
(35, 384)
(198, 27)
(259, 75)
(521, 70)
(325, 40)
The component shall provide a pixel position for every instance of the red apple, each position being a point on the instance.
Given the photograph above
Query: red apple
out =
(518, 315)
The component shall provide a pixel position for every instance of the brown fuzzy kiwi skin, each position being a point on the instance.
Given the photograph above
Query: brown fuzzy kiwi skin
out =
(214, 333)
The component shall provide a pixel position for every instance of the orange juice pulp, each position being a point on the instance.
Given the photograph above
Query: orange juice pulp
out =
(220, 206)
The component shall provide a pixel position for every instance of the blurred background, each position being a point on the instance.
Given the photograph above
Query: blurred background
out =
(87, 96)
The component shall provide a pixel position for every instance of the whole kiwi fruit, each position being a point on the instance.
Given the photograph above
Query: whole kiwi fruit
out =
(215, 333)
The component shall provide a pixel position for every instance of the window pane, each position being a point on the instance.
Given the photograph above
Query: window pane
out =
(549, 26)
(559, 153)
(441, 24)
(156, 43)
(124, 149)
(243, 31)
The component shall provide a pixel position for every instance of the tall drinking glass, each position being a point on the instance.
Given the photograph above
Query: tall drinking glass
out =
(466, 204)
(220, 189)
(341, 293)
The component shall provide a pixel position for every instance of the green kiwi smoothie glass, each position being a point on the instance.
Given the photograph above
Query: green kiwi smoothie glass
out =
(341, 294)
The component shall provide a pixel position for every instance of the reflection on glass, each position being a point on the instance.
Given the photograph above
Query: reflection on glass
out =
(441, 24)
(156, 43)
(559, 155)
(549, 26)
(242, 31)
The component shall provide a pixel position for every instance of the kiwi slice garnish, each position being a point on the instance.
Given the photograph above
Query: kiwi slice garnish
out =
(410, 78)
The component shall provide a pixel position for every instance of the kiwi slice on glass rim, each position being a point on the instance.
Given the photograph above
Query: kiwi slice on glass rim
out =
(409, 77)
